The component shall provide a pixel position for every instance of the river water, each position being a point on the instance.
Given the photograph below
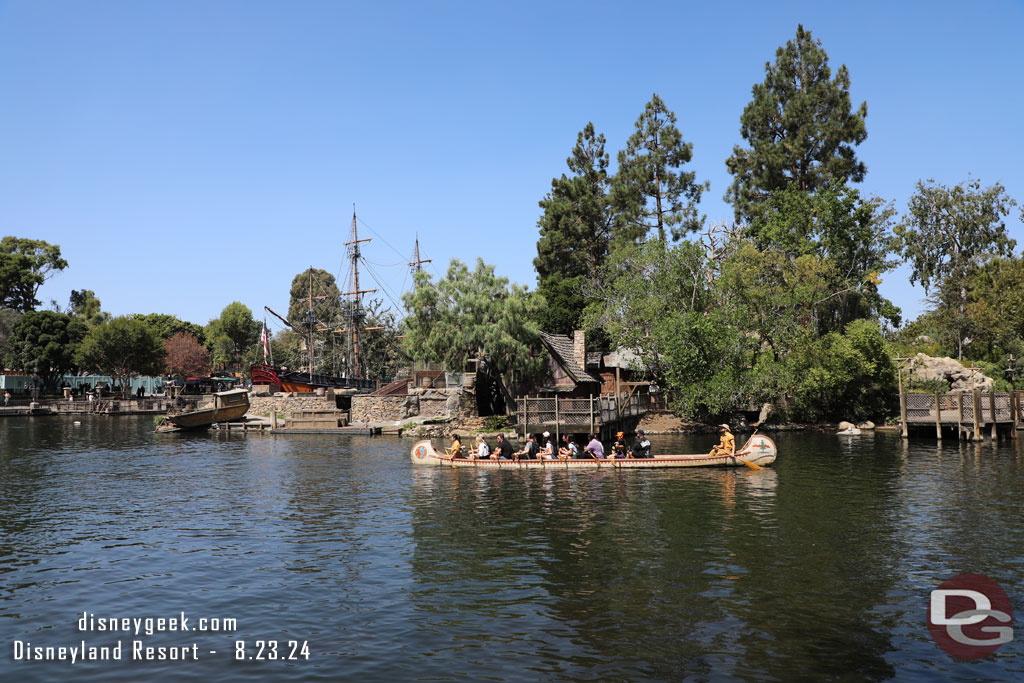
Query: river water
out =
(337, 546)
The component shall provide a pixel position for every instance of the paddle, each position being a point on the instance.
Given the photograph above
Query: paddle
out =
(751, 465)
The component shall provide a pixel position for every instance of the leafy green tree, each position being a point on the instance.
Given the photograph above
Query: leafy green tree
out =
(44, 343)
(836, 225)
(948, 233)
(848, 375)
(233, 336)
(662, 305)
(650, 190)
(165, 326)
(471, 314)
(326, 298)
(575, 229)
(995, 310)
(24, 266)
(8, 317)
(85, 306)
(122, 347)
(800, 126)
(380, 345)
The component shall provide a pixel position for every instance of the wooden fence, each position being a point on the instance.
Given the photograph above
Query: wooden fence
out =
(577, 415)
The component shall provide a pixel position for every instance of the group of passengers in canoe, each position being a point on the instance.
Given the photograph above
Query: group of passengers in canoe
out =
(544, 448)
(568, 449)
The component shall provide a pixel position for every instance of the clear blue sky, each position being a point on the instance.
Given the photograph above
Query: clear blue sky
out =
(189, 154)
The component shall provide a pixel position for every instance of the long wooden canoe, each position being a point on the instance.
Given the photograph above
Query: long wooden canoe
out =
(759, 450)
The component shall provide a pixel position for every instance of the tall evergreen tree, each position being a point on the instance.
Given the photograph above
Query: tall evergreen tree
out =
(651, 191)
(801, 128)
(575, 229)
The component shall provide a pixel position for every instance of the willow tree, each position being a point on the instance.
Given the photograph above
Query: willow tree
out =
(471, 314)
(651, 191)
(800, 128)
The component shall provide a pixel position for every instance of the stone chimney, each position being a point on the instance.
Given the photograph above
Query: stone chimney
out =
(579, 349)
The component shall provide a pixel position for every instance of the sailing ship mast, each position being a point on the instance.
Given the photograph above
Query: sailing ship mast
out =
(355, 316)
(416, 260)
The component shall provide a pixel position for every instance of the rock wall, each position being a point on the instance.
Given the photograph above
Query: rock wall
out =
(263, 406)
(422, 403)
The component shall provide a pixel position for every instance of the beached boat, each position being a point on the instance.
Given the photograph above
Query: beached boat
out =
(758, 451)
(223, 406)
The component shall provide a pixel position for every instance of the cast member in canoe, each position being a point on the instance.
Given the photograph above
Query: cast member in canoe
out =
(726, 444)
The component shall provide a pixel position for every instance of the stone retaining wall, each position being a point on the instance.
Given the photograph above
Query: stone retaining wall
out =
(432, 403)
(263, 406)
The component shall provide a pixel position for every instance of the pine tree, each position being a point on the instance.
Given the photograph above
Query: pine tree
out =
(575, 229)
(800, 126)
(651, 191)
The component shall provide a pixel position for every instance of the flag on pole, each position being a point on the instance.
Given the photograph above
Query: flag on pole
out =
(265, 338)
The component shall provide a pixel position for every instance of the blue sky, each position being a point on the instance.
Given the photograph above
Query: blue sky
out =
(189, 154)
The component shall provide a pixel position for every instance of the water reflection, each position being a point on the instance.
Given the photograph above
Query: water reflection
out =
(817, 568)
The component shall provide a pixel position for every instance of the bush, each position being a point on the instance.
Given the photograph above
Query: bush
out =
(496, 423)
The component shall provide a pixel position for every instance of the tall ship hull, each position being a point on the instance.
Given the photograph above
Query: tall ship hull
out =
(304, 382)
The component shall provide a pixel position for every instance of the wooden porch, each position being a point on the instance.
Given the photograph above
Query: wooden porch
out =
(970, 413)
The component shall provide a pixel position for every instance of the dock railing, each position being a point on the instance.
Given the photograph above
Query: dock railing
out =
(575, 415)
(969, 411)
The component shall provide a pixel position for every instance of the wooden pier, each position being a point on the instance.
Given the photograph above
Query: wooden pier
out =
(971, 414)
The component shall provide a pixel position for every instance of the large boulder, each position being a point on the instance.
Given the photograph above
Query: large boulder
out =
(928, 368)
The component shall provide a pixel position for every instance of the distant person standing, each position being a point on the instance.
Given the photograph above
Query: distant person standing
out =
(7, 397)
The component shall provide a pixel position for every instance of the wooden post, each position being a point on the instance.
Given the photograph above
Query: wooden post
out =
(558, 423)
(959, 415)
(904, 432)
(992, 413)
(1014, 414)
(976, 401)
(938, 416)
(526, 415)
(591, 413)
(903, 414)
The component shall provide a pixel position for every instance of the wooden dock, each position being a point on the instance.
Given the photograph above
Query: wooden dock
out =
(970, 414)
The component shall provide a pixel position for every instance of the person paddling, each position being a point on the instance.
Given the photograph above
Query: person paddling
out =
(726, 444)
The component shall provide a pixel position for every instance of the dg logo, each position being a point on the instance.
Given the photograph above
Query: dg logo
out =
(970, 616)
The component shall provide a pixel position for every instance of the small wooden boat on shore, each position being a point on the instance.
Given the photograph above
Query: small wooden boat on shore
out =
(758, 452)
(224, 406)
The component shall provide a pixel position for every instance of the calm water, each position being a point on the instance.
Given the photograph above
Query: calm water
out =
(819, 568)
